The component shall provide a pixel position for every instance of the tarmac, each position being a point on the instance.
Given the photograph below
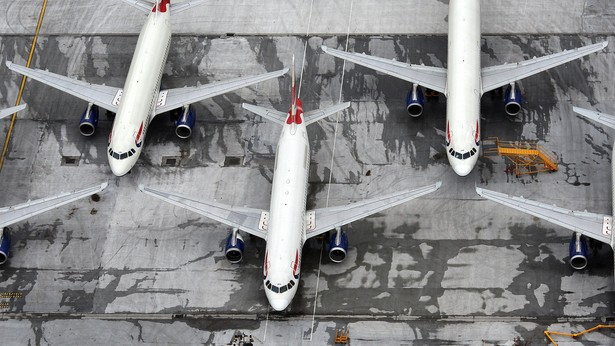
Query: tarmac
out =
(448, 268)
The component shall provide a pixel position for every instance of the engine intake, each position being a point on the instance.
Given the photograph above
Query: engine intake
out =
(512, 99)
(89, 120)
(578, 252)
(338, 246)
(5, 244)
(185, 123)
(415, 101)
(234, 247)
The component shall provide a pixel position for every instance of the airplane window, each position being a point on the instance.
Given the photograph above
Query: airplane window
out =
(283, 289)
(123, 156)
(130, 153)
(116, 156)
(289, 286)
(292, 283)
(110, 151)
(133, 151)
(466, 155)
(458, 156)
(268, 284)
(275, 289)
(473, 151)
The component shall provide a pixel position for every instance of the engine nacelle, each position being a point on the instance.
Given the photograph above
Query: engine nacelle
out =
(415, 101)
(338, 246)
(185, 123)
(234, 247)
(578, 252)
(512, 99)
(89, 120)
(5, 245)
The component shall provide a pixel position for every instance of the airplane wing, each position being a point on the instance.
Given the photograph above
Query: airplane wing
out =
(270, 114)
(245, 219)
(430, 77)
(317, 114)
(327, 219)
(17, 213)
(6, 112)
(602, 118)
(498, 76)
(595, 226)
(101, 95)
(184, 5)
(176, 98)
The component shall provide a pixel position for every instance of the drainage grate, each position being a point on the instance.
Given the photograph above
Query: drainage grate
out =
(171, 161)
(230, 161)
(70, 160)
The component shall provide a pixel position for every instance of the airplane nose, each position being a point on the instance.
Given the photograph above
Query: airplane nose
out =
(119, 168)
(462, 169)
(279, 304)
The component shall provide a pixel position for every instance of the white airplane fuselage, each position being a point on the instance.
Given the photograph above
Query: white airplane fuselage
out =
(286, 231)
(140, 93)
(463, 88)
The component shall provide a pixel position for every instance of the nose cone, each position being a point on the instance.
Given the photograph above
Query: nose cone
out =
(120, 168)
(278, 303)
(462, 167)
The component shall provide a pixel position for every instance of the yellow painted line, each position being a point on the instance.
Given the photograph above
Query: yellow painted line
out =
(23, 83)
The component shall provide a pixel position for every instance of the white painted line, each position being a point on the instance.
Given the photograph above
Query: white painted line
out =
(266, 324)
(337, 119)
(307, 35)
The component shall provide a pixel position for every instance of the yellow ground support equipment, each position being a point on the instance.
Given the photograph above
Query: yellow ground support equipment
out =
(341, 336)
(575, 335)
(528, 157)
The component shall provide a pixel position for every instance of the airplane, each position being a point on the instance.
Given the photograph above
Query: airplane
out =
(20, 212)
(8, 111)
(141, 98)
(584, 224)
(464, 82)
(287, 224)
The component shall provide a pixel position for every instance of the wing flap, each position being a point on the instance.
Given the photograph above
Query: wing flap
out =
(179, 97)
(430, 77)
(588, 224)
(245, 219)
(501, 75)
(100, 95)
(326, 219)
(20, 212)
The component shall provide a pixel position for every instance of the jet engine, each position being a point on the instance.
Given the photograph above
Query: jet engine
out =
(578, 252)
(185, 123)
(5, 244)
(415, 101)
(234, 247)
(338, 246)
(512, 99)
(89, 120)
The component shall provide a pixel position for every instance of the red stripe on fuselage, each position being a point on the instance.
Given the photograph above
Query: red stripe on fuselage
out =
(296, 262)
(297, 119)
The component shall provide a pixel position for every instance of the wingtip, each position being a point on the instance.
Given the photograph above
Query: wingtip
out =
(605, 43)
(8, 63)
(324, 48)
(141, 187)
(104, 185)
(438, 184)
(479, 191)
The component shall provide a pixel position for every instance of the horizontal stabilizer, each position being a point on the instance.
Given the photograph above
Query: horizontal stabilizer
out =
(430, 77)
(602, 118)
(8, 111)
(143, 5)
(100, 95)
(17, 213)
(269, 114)
(245, 219)
(595, 226)
(497, 76)
(327, 219)
(317, 114)
(178, 97)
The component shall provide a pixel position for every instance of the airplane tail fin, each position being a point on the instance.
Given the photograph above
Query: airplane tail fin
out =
(293, 106)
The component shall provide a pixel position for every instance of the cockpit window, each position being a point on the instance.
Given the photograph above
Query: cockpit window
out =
(280, 289)
(462, 156)
(122, 156)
